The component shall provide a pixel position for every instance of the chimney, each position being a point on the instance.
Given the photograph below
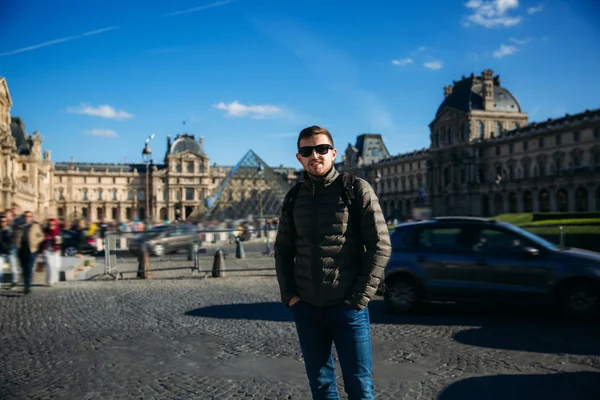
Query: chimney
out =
(448, 90)
(488, 90)
(201, 142)
(47, 155)
(168, 143)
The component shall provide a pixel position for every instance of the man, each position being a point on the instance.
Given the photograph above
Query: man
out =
(329, 261)
(28, 238)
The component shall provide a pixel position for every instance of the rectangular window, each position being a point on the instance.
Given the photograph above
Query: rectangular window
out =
(541, 143)
(525, 145)
(558, 139)
(141, 195)
(190, 167)
(189, 194)
(511, 148)
(99, 194)
(576, 137)
(114, 195)
(99, 180)
(497, 150)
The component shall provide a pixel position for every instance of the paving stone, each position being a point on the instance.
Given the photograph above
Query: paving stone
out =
(230, 338)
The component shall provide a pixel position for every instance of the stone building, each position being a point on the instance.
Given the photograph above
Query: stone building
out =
(485, 158)
(177, 188)
(26, 173)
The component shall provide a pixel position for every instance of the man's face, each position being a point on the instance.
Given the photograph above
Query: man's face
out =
(316, 164)
(3, 222)
(28, 217)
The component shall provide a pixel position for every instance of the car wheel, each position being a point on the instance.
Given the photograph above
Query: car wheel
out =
(580, 301)
(159, 250)
(70, 251)
(402, 295)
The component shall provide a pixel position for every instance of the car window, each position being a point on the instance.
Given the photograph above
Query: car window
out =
(498, 241)
(443, 239)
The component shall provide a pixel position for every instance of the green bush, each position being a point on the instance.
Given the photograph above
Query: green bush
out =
(565, 216)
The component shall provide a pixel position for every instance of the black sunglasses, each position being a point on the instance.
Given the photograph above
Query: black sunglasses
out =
(322, 149)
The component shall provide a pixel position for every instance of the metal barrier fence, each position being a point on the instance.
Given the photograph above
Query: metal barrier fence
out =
(167, 250)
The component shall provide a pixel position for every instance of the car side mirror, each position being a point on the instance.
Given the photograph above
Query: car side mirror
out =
(531, 252)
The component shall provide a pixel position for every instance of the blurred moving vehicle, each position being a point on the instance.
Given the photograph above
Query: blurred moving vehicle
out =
(68, 246)
(482, 260)
(164, 239)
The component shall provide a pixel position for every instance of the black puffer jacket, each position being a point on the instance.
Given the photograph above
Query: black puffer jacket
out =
(322, 256)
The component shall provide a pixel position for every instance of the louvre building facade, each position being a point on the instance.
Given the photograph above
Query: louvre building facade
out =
(178, 186)
(485, 158)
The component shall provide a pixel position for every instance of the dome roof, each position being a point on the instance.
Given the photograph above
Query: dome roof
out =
(467, 95)
(185, 143)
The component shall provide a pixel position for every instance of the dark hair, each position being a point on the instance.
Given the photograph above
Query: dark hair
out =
(2, 215)
(313, 131)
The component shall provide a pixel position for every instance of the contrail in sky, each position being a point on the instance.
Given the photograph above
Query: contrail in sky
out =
(99, 31)
(200, 8)
(56, 41)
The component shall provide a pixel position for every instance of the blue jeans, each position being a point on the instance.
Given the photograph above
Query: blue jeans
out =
(318, 329)
(27, 261)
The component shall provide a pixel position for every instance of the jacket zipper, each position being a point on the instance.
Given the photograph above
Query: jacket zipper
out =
(314, 252)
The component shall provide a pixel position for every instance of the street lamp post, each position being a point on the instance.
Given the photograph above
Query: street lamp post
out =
(147, 156)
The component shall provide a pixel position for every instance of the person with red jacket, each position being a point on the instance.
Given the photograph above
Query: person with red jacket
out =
(51, 246)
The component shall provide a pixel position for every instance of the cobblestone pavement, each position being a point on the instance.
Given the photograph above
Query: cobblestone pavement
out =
(230, 338)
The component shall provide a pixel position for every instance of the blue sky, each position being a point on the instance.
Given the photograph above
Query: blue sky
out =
(97, 78)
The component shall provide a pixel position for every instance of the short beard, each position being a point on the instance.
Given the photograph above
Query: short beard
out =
(317, 177)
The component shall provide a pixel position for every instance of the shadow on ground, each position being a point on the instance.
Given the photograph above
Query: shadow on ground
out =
(525, 387)
(533, 330)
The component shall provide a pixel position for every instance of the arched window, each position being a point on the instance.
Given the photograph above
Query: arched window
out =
(481, 130)
(499, 129)
(463, 132)
(437, 138)
(450, 138)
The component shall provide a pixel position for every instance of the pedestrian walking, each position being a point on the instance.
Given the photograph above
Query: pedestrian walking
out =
(331, 248)
(28, 237)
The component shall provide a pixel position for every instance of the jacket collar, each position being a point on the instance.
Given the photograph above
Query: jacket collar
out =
(324, 181)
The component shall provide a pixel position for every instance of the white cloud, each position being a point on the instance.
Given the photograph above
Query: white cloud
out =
(520, 42)
(56, 41)
(433, 65)
(491, 14)
(237, 109)
(422, 48)
(534, 10)
(103, 111)
(101, 132)
(200, 8)
(504, 50)
(403, 63)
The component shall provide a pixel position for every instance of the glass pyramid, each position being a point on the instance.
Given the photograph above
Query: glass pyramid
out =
(251, 190)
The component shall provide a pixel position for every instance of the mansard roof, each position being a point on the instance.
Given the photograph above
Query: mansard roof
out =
(467, 95)
(17, 128)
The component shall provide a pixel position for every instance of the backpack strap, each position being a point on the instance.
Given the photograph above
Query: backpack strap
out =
(348, 181)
